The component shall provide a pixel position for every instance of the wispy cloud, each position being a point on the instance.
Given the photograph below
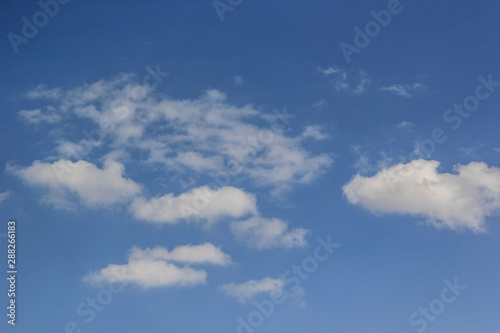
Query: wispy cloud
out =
(238, 80)
(314, 132)
(320, 104)
(355, 82)
(204, 135)
(4, 195)
(405, 125)
(206, 253)
(42, 92)
(36, 116)
(246, 291)
(404, 90)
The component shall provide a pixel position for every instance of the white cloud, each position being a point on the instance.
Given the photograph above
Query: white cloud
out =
(314, 132)
(41, 92)
(151, 268)
(201, 203)
(262, 233)
(404, 90)
(206, 253)
(355, 82)
(362, 83)
(456, 201)
(4, 195)
(246, 291)
(92, 185)
(204, 134)
(36, 116)
(327, 71)
(238, 80)
(320, 104)
(73, 150)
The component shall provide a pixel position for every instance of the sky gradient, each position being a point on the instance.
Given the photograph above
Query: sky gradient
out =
(251, 166)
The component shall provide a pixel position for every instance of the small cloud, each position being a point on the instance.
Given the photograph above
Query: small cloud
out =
(355, 82)
(314, 132)
(362, 164)
(327, 71)
(36, 116)
(154, 268)
(261, 233)
(471, 152)
(4, 195)
(362, 84)
(404, 90)
(246, 292)
(41, 92)
(238, 80)
(405, 125)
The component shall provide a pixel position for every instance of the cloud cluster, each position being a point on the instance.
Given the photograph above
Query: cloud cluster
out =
(457, 201)
(154, 268)
(205, 135)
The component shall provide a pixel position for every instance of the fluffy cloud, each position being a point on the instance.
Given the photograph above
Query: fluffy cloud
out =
(404, 90)
(201, 203)
(206, 135)
(151, 268)
(206, 253)
(457, 201)
(92, 185)
(262, 233)
(246, 291)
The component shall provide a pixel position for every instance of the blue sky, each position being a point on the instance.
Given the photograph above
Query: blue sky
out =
(228, 166)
